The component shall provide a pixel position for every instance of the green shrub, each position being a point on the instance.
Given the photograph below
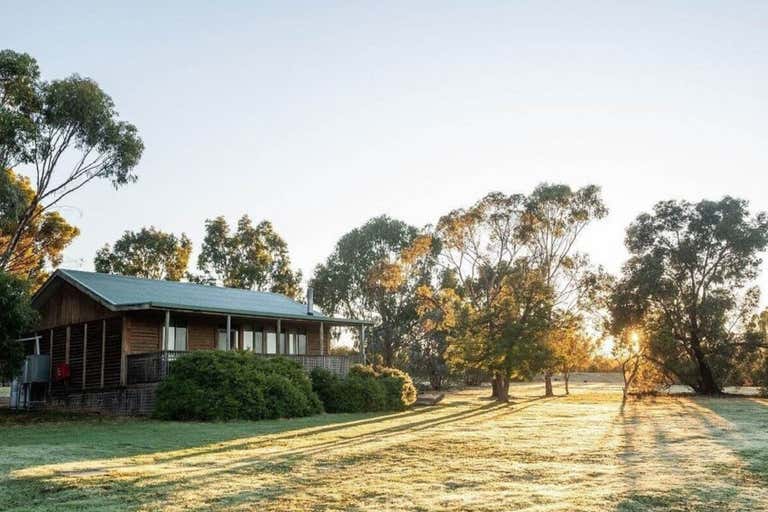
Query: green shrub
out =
(400, 389)
(365, 389)
(325, 384)
(360, 394)
(214, 385)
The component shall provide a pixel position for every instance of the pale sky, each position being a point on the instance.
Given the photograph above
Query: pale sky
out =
(320, 117)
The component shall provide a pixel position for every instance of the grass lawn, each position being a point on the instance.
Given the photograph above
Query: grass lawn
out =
(582, 452)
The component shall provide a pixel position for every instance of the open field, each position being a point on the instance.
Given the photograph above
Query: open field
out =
(582, 452)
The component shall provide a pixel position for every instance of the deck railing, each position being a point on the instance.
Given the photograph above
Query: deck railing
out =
(154, 366)
(335, 364)
(150, 366)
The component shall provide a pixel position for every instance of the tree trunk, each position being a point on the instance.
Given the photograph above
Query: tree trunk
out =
(548, 384)
(436, 381)
(566, 376)
(625, 388)
(707, 385)
(502, 388)
(387, 354)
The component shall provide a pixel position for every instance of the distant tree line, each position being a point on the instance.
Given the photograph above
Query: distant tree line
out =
(250, 257)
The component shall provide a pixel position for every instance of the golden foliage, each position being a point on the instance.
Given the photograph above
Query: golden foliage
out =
(43, 240)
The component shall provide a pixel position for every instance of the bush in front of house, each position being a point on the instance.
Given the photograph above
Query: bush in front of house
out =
(365, 389)
(215, 385)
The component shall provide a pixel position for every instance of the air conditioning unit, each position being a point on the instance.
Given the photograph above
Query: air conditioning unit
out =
(37, 368)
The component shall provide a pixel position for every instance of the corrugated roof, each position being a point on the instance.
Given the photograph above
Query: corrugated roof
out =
(123, 292)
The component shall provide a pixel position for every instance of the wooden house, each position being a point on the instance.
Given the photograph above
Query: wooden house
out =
(109, 338)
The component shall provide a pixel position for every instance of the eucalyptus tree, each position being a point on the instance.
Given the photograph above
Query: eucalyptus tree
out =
(437, 305)
(514, 254)
(250, 257)
(555, 217)
(373, 274)
(148, 253)
(66, 132)
(571, 348)
(505, 301)
(687, 284)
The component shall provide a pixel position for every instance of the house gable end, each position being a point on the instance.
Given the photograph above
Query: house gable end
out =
(63, 304)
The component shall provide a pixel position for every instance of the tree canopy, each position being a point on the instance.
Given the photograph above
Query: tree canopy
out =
(372, 275)
(251, 257)
(148, 253)
(686, 284)
(67, 132)
(517, 274)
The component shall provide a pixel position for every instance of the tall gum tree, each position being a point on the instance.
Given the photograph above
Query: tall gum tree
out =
(515, 257)
(373, 274)
(63, 134)
(499, 322)
(686, 284)
(555, 217)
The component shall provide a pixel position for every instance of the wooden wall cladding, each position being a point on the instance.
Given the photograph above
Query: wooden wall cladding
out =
(69, 306)
(76, 346)
(112, 353)
(93, 355)
(58, 356)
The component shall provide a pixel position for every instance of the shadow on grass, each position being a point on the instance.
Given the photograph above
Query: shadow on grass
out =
(746, 430)
(227, 461)
(51, 439)
(74, 438)
(396, 434)
(681, 500)
(729, 422)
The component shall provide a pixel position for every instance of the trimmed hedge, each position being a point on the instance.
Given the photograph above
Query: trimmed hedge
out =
(215, 385)
(365, 389)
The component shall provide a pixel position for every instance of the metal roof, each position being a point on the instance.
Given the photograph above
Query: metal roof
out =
(118, 292)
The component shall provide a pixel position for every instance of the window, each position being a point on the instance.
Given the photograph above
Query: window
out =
(271, 343)
(221, 339)
(258, 342)
(177, 338)
(302, 344)
(283, 348)
(248, 338)
(296, 342)
(253, 339)
(292, 343)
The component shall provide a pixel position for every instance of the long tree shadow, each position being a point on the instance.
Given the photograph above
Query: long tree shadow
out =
(740, 424)
(234, 458)
(676, 441)
(486, 413)
(135, 436)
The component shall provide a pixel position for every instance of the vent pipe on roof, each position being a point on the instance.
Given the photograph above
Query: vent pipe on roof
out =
(310, 301)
